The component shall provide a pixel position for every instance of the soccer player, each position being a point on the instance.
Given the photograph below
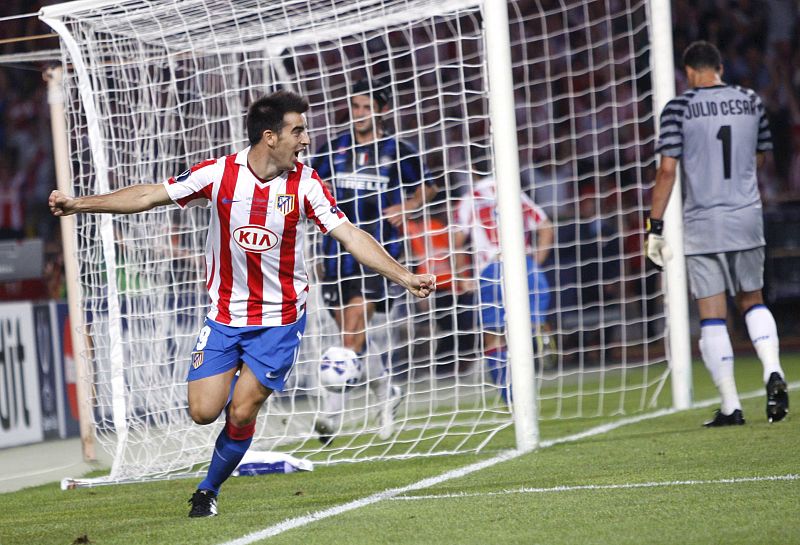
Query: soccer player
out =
(476, 216)
(719, 133)
(255, 270)
(375, 178)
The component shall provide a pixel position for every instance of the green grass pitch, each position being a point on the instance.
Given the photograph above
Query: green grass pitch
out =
(663, 480)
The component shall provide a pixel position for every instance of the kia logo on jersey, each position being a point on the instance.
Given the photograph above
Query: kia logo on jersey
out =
(255, 238)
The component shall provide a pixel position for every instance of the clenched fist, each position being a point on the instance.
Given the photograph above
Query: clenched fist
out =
(60, 204)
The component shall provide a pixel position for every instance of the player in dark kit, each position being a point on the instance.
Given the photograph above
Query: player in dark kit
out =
(719, 133)
(375, 179)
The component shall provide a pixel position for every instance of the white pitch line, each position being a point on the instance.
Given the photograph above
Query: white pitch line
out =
(369, 500)
(525, 490)
(391, 493)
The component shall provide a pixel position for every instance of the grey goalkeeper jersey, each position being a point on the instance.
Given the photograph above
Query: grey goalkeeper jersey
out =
(716, 132)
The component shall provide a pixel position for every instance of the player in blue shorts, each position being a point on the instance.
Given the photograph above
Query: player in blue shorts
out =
(493, 316)
(476, 216)
(256, 273)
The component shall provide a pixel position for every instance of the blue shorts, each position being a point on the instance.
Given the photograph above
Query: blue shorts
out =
(493, 315)
(269, 352)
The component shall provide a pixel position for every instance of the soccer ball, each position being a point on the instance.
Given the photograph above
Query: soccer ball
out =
(341, 367)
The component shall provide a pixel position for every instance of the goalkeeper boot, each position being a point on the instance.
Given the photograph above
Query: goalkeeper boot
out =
(736, 418)
(204, 504)
(388, 412)
(777, 398)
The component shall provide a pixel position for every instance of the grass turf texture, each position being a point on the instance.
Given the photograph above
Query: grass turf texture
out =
(665, 449)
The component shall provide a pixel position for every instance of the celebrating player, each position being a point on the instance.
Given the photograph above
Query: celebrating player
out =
(719, 133)
(375, 178)
(255, 270)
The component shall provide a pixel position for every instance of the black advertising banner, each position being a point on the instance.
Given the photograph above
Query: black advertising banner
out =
(48, 372)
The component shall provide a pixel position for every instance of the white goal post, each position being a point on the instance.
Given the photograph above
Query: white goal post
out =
(562, 97)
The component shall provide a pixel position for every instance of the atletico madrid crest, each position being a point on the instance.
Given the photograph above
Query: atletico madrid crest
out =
(197, 359)
(285, 204)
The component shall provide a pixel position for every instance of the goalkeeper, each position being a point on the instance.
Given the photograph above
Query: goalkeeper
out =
(376, 179)
(719, 134)
(255, 270)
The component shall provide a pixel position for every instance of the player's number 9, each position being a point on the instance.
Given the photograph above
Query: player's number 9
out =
(202, 339)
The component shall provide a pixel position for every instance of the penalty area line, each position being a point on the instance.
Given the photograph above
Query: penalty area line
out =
(525, 490)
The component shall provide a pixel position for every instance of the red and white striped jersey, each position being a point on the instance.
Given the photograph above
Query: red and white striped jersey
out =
(477, 214)
(12, 203)
(255, 265)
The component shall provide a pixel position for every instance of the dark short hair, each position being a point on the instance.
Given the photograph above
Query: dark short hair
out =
(702, 54)
(267, 112)
(377, 89)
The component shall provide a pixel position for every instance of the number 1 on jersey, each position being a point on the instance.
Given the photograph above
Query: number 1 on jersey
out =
(724, 134)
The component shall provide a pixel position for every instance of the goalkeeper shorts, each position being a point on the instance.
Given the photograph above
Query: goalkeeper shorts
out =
(732, 272)
(269, 352)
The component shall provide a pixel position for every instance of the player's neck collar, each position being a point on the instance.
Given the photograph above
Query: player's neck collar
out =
(712, 86)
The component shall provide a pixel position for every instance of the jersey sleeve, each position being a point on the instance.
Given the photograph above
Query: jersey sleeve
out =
(320, 206)
(193, 186)
(764, 134)
(670, 134)
(533, 215)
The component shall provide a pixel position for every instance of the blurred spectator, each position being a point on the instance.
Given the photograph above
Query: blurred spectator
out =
(794, 166)
(582, 99)
(12, 197)
(27, 175)
(590, 264)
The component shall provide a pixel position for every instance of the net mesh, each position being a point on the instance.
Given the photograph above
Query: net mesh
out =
(169, 87)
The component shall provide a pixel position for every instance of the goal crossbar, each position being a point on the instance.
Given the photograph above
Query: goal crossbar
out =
(178, 30)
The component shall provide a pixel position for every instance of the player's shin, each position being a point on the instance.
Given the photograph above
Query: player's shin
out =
(764, 336)
(717, 353)
(496, 359)
(232, 443)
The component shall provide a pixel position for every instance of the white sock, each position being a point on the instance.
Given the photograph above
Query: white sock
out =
(764, 334)
(717, 352)
(378, 377)
(380, 386)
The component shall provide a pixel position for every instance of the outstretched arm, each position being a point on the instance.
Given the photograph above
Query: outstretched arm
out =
(128, 200)
(369, 253)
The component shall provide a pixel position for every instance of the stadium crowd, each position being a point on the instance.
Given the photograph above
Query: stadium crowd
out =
(758, 40)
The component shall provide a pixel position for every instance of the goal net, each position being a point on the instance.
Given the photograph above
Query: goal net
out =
(153, 88)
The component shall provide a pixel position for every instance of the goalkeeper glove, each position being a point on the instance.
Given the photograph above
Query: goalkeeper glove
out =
(655, 247)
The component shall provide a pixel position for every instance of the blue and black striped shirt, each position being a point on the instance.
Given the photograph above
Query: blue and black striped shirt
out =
(366, 179)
